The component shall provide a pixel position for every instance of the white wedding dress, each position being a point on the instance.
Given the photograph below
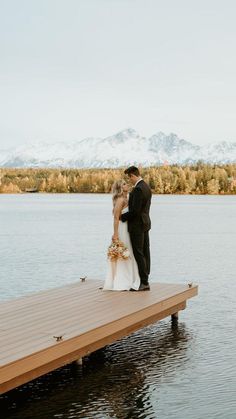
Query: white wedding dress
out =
(122, 274)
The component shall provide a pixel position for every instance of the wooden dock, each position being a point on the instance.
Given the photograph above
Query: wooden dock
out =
(44, 331)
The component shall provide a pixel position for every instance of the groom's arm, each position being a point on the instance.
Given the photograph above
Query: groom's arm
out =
(136, 206)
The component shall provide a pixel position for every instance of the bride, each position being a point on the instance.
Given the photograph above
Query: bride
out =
(122, 275)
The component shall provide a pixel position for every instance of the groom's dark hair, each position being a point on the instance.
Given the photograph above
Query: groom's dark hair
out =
(132, 170)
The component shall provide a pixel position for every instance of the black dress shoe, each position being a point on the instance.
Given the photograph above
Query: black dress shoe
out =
(132, 289)
(144, 287)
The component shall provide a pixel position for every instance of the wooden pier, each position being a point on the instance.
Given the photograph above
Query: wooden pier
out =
(44, 331)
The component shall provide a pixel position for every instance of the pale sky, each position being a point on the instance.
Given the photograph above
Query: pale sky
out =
(72, 69)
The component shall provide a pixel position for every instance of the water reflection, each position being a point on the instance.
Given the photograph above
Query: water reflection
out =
(115, 382)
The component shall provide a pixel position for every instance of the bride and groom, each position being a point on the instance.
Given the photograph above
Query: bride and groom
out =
(131, 226)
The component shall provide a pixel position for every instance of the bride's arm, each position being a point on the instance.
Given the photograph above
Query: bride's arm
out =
(117, 212)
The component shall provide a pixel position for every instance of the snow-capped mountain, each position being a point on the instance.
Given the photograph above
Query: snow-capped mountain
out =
(122, 149)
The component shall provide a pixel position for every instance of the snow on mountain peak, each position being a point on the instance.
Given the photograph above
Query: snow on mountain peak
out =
(126, 134)
(121, 149)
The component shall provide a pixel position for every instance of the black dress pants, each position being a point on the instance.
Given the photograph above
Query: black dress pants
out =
(141, 249)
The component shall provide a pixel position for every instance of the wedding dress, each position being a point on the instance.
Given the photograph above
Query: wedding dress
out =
(122, 274)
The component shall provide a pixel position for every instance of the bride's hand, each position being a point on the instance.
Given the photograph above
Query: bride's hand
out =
(115, 237)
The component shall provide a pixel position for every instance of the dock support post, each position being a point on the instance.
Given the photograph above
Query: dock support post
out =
(175, 317)
(79, 361)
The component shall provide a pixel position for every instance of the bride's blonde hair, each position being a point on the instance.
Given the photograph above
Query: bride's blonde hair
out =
(117, 190)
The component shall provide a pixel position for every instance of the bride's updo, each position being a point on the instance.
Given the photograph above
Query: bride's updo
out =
(117, 191)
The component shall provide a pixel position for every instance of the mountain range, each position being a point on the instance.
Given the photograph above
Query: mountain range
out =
(122, 149)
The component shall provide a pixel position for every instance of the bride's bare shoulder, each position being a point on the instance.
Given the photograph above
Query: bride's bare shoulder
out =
(119, 202)
(119, 205)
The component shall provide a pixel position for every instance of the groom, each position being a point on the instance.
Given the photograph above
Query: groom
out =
(139, 224)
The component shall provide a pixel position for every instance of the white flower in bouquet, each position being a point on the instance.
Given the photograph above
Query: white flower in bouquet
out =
(126, 254)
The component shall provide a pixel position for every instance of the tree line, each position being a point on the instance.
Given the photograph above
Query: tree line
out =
(170, 179)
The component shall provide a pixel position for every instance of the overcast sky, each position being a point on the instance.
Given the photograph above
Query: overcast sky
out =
(77, 68)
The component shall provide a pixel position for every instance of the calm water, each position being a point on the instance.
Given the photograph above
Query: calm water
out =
(163, 371)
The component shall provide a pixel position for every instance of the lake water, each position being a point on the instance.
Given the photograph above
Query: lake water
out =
(163, 371)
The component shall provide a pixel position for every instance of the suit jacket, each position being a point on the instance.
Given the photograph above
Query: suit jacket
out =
(139, 205)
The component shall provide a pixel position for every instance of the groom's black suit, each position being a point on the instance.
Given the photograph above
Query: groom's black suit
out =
(139, 224)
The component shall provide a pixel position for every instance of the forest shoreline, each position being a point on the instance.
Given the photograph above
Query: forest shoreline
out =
(197, 179)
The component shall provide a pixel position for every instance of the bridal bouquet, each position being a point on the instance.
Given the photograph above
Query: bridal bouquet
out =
(117, 250)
